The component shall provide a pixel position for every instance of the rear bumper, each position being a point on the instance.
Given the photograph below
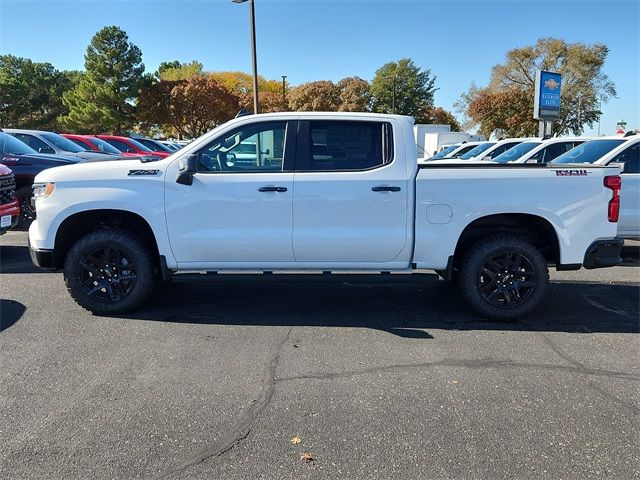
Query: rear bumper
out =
(604, 253)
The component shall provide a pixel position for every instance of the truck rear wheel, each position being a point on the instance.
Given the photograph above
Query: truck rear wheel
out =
(109, 271)
(503, 277)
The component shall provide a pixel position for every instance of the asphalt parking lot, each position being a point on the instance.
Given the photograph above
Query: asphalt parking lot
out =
(377, 376)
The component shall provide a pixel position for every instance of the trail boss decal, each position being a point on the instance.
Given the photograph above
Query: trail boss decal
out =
(571, 173)
(143, 172)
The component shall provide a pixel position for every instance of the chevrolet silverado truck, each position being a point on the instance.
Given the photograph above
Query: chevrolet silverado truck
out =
(321, 192)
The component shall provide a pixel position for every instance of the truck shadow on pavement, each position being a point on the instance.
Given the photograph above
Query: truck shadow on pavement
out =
(10, 312)
(403, 305)
(16, 259)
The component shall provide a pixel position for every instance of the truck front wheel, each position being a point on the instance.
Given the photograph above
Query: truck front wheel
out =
(503, 277)
(109, 271)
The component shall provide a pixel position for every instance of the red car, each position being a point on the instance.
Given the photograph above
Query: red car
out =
(129, 145)
(94, 144)
(9, 207)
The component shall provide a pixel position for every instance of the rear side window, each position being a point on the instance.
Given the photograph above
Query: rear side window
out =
(346, 145)
(630, 158)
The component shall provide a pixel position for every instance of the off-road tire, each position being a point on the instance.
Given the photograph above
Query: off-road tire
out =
(526, 284)
(139, 261)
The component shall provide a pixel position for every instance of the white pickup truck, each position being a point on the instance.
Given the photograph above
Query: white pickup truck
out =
(320, 192)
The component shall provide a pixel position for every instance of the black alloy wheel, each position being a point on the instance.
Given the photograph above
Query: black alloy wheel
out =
(110, 271)
(107, 273)
(507, 279)
(503, 277)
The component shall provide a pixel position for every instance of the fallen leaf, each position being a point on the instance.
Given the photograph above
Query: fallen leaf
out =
(454, 381)
(307, 457)
(296, 440)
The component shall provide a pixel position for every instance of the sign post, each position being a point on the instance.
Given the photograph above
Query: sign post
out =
(546, 103)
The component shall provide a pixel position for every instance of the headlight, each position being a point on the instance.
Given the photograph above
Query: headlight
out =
(43, 190)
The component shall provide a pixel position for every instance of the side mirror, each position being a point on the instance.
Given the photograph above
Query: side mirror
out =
(486, 158)
(187, 167)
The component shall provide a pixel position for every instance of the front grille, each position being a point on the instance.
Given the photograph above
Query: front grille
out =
(7, 189)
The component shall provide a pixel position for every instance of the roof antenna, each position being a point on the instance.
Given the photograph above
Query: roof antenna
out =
(242, 113)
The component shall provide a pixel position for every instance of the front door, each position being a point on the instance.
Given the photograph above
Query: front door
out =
(239, 207)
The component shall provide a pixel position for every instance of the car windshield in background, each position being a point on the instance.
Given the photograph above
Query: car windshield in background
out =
(444, 152)
(104, 146)
(63, 143)
(10, 144)
(153, 145)
(589, 152)
(477, 150)
(139, 145)
(516, 152)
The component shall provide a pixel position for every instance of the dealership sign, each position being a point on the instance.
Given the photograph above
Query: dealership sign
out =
(546, 104)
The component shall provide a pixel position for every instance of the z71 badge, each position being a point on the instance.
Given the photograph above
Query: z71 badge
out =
(571, 173)
(143, 172)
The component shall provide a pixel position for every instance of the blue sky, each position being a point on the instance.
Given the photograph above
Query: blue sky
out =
(459, 41)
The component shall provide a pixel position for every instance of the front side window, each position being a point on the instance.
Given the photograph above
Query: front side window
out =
(346, 145)
(103, 146)
(250, 148)
(502, 148)
(477, 150)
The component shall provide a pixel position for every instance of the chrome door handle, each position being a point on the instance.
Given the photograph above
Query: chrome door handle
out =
(272, 189)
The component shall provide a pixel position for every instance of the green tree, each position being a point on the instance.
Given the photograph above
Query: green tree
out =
(31, 93)
(103, 100)
(178, 71)
(584, 87)
(414, 89)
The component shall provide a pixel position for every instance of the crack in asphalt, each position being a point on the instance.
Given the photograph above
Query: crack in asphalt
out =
(477, 363)
(578, 365)
(242, 427)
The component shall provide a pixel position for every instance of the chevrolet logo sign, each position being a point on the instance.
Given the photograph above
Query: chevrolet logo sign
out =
(551, 84)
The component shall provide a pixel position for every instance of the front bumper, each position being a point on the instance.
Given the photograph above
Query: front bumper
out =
(12, 209)
(42, 258)
(604, 253)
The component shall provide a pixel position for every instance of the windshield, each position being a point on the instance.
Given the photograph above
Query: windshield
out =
(588, 152)
(62, 143)
(9, 144)
(477, 150)
(139, 146)
(444, 152)
(516, 152)
(104, 146)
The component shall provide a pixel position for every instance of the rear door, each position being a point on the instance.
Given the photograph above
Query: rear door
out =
(350, 193)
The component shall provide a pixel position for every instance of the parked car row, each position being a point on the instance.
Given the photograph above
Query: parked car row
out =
(24, 153)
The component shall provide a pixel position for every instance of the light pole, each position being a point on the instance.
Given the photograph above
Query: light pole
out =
(252, 21)
(284, 98)
(393, 95)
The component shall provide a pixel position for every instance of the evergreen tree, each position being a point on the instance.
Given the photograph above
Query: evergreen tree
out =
(103, 100)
